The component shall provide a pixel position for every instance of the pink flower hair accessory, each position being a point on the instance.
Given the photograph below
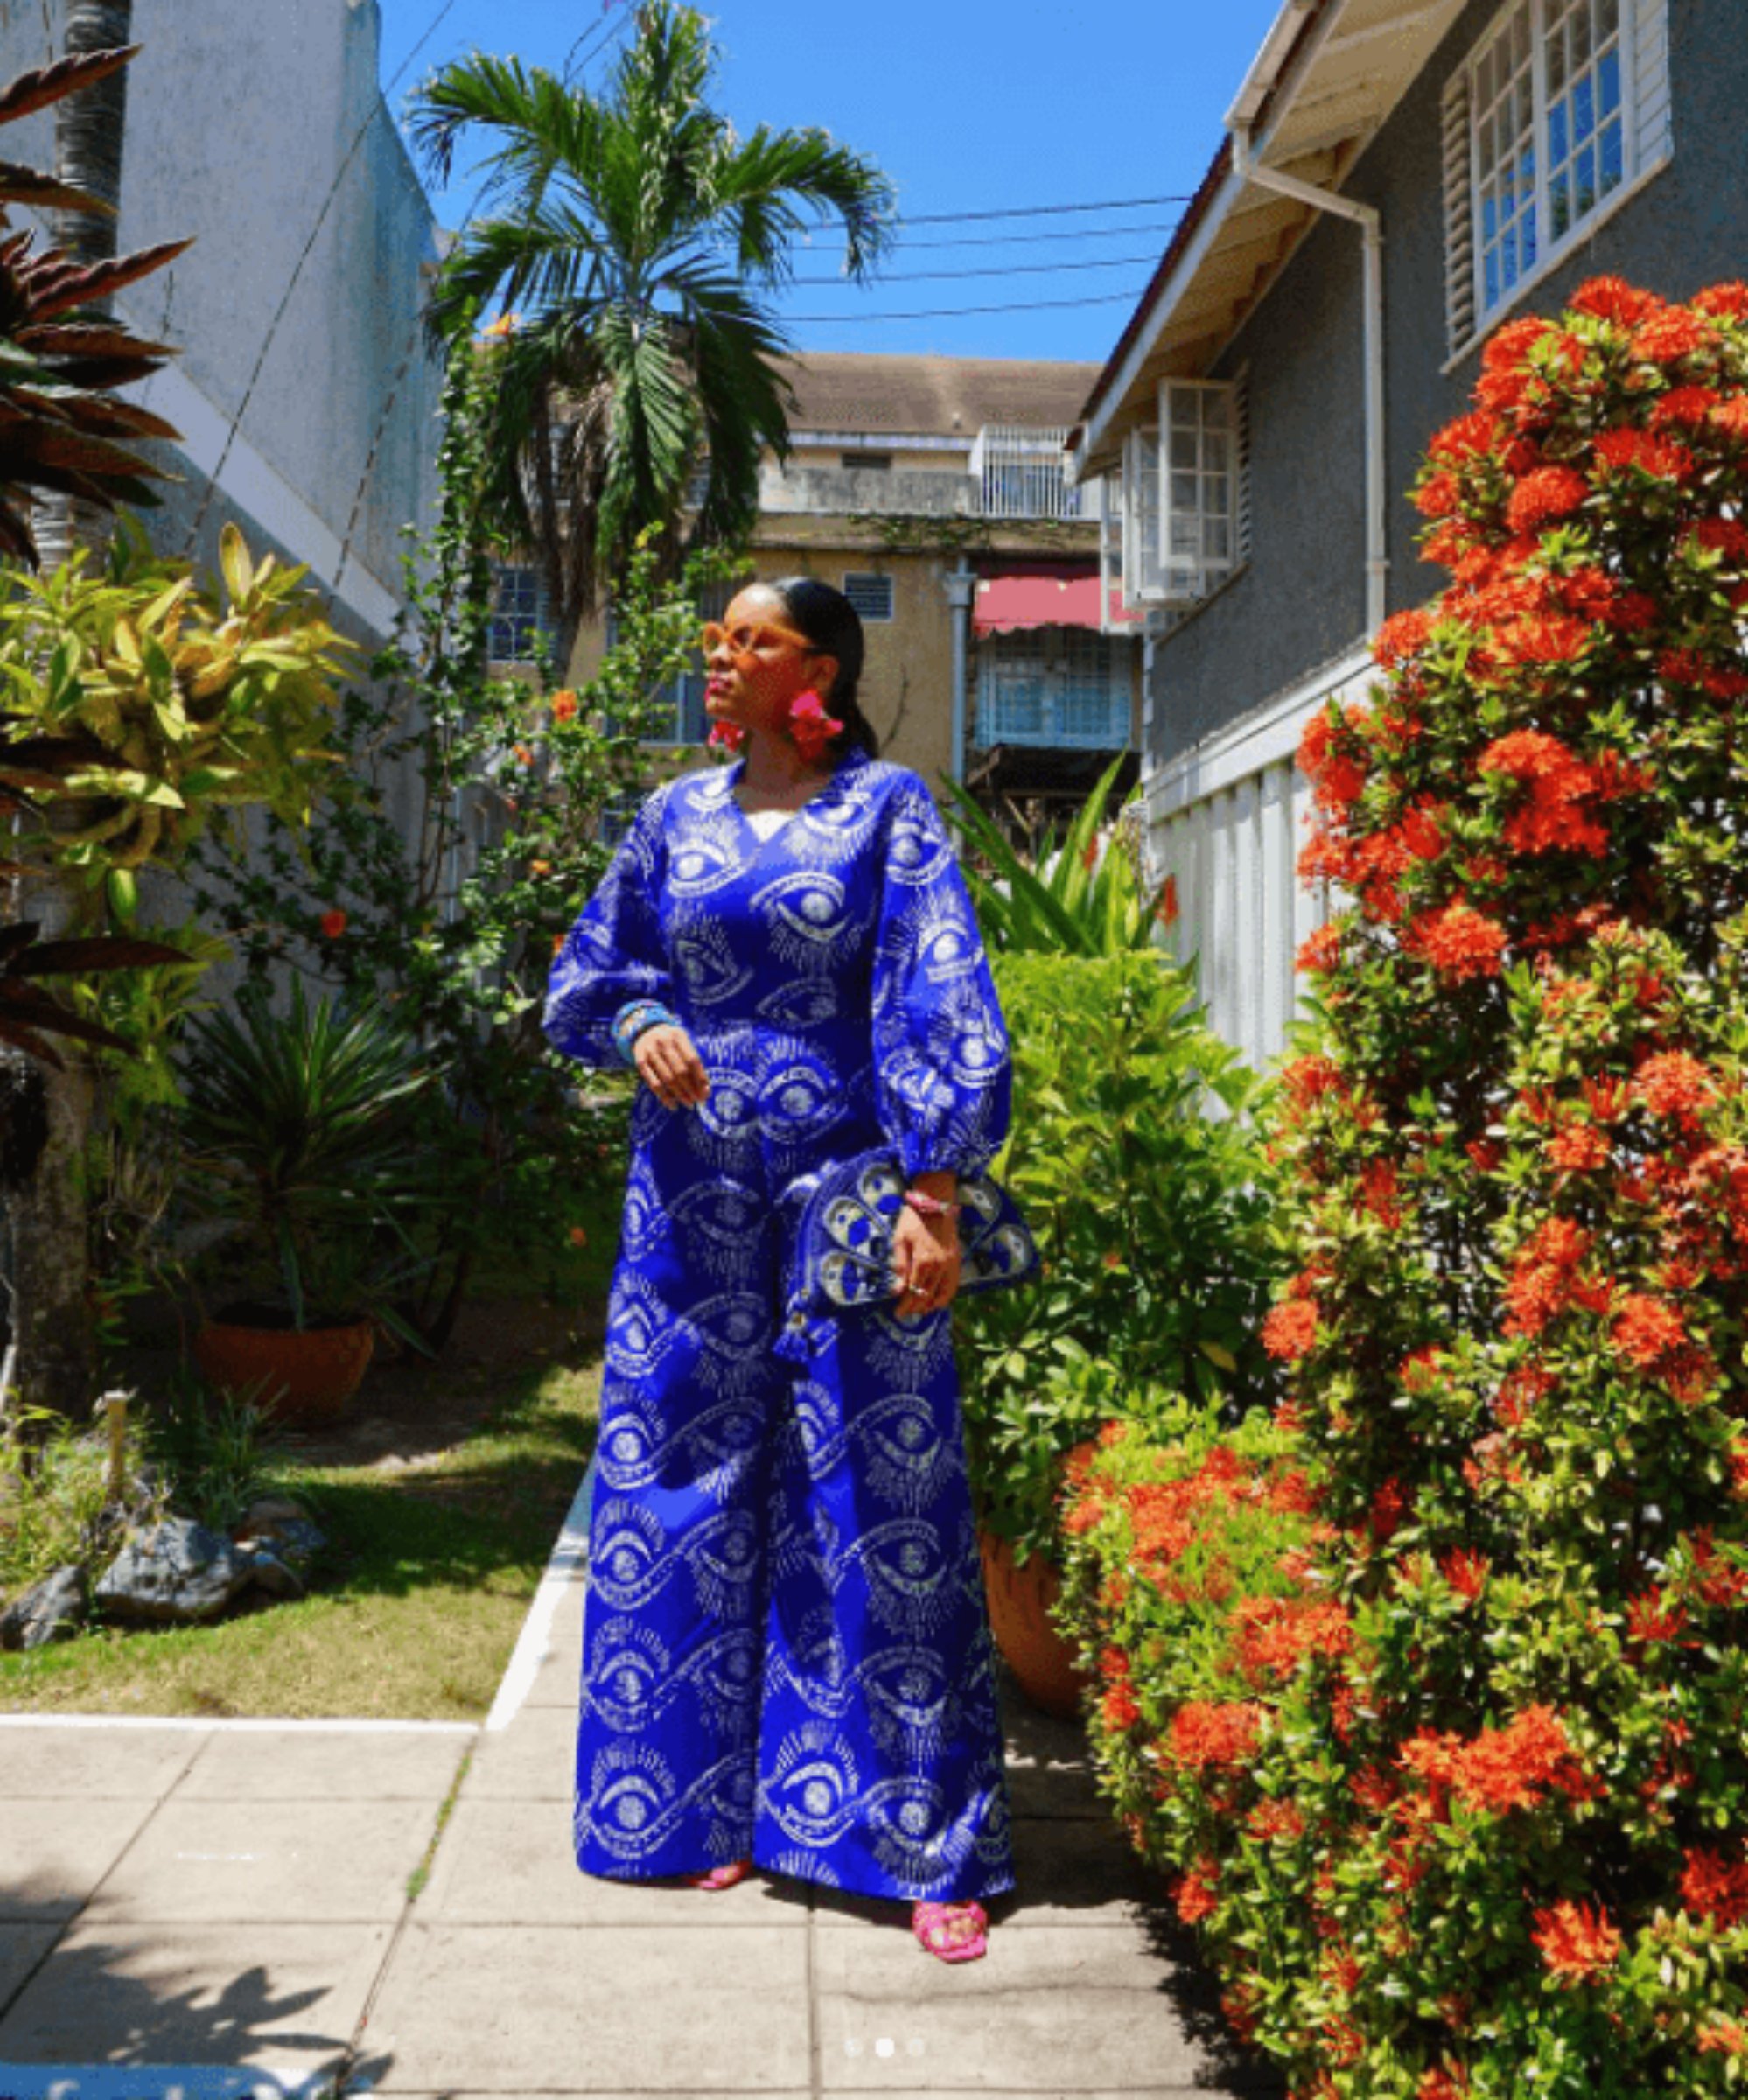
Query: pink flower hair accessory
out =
(810, 728)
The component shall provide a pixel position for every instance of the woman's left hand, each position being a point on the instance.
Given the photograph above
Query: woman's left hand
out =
(925, 1262)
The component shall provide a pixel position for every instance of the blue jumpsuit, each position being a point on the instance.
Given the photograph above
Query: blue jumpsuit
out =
(786, 1653)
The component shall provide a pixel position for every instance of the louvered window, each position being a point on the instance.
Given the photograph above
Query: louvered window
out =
(872, 595)
(1183, 529)
(1561, 105)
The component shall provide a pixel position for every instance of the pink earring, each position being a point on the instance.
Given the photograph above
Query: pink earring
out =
(726, 736)
(810, 728)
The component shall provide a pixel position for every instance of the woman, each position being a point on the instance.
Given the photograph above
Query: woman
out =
(786, 1653)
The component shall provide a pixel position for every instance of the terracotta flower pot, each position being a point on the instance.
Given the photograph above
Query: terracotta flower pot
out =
(1020, 1598)
(309, 1374)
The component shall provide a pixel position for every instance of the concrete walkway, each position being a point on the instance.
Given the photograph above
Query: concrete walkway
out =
(222, 1909)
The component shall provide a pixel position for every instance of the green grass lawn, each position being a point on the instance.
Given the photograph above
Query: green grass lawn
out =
(432, 1567)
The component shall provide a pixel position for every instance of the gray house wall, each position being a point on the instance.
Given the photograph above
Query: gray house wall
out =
(241, 120)
(1300, 601)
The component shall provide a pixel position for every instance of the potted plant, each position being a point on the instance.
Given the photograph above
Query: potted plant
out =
(304, 1133)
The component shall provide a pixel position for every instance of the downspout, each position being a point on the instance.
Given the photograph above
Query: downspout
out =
(959, 586)
(1370, 222)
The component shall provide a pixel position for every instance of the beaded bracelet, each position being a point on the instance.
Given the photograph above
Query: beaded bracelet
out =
(631, 1020)
(927, 1206)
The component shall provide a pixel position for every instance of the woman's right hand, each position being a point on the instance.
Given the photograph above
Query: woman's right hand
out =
(669, 1066)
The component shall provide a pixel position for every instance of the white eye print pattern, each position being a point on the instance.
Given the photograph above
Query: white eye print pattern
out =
(786, 1654)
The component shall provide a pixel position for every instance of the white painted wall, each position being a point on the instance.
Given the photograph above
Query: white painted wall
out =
(1227, 818)
(241, 119)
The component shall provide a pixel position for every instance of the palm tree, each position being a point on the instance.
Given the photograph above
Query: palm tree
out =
(637, 239)
(89, 129)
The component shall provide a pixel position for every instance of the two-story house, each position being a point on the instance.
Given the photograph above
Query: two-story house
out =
(1396, 178)
(931, 491)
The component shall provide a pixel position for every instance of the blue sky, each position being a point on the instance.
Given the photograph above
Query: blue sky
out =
(971, 106)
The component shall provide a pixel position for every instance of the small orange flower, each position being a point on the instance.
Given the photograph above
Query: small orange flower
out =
(333, 925)
(1577, 1940)
(577, 1236)
(564, 707)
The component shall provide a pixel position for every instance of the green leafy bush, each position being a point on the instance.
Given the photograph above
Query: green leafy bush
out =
(1135, 1157)
(1490, 1838)
(1079, 897)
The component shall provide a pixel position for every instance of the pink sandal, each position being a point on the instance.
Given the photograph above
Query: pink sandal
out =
(721, 1877)
(940, 1927)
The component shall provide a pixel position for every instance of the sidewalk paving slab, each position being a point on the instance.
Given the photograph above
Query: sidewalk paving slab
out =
(54, 1855)
(512, 1862)
(534, 1759)
(294, 1766)
(45, 1762)
(588, 2009)
(1050, 2009)
(269, 1862)
(282, 2000)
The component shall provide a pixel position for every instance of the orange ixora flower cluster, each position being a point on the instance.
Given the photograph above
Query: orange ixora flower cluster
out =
(1473, 1717)
(1576, 1941)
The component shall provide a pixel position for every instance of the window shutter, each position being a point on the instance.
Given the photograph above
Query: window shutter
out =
(870, 593)
(1240, 438)
(1654, 139)
(1460, 213)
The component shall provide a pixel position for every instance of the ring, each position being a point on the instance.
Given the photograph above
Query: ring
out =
(919, 1290)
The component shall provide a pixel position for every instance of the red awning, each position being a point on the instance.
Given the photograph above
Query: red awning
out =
(1005, 604)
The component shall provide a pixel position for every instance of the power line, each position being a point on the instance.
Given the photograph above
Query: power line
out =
(946, 314)
(1036, 211)
(1067, 233)
(1011, 269)
(379, 104)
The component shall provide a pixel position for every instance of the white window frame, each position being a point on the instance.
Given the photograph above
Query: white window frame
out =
(861, 580)
(1170, 554)
(538, 621)
(1645, 146)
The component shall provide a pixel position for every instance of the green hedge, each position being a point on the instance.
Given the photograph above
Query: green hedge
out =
(1135, 1156)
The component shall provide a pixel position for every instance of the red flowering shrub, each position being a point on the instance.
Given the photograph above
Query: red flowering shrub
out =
(1516, 1140)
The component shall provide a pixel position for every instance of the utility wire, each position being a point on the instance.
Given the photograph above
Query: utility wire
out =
(942, 313)
(379, 104)
(1066, 233)
(1011, 270)
(1036, 210)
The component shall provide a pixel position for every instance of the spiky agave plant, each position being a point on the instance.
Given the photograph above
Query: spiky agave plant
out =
(62, 432)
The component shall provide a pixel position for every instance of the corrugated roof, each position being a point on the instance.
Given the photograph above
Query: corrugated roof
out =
(928, 397)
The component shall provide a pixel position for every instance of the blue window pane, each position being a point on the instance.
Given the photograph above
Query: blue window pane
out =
(1559, 206)
(1557, 134)
(1527, 238)
(1608, 78)
(1586, 181)
(1509, 257)
(1584, 110)
(1490, 219)
(1493, 276)
(1612, 162)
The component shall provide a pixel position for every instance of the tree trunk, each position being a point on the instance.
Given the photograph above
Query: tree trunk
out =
(55, 1345)
(89, 130)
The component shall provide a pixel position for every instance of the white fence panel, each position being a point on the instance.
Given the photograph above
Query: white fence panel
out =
(1229, 820)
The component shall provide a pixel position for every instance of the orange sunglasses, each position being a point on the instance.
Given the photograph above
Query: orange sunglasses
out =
(747, 637)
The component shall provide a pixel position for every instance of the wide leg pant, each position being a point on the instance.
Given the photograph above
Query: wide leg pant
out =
(786, 1653)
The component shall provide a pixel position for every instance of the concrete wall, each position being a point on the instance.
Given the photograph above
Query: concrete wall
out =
(1301, 601)
(927, 491)
(241, 120)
